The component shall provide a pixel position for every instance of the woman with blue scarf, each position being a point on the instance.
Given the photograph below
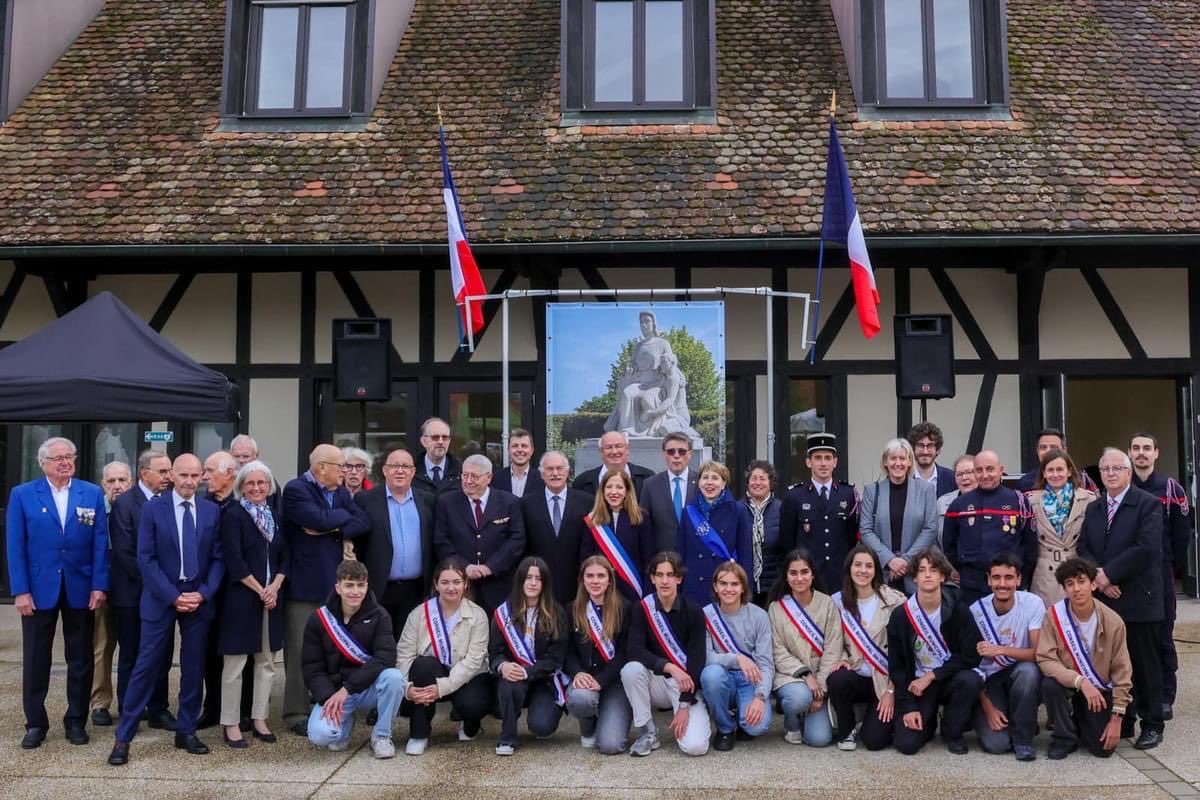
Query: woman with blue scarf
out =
(714, 528)
(1058, 504)
(256, 563)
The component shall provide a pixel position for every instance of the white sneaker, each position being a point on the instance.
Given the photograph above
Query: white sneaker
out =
(339, 747)
(793, 737)
(463, 736)
(382, 747)
(504, 749)
(416, 747)
(849, 743)
(587, 742)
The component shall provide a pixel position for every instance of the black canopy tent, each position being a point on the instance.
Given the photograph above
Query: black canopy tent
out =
(102, 362)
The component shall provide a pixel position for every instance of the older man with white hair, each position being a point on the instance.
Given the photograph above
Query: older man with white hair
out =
(483, 527)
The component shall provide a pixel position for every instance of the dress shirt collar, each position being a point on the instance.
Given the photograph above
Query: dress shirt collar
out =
(1118, 499)
(146, 490)
(408, 496)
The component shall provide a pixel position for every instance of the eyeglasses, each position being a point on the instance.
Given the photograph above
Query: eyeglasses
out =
(1112, 470)
(925, 446)
(335, 465)
(677, 451)
(614, 447)
(401, 467)
(438, 437)
(356, 468)
(967, 474)
(62, 459)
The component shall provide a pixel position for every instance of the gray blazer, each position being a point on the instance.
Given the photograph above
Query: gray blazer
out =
(656, 501)
(920, 521)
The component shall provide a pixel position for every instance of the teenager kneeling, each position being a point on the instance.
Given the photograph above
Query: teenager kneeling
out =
(527, 646)
(599, 636)
(443, 653)
(740, 663)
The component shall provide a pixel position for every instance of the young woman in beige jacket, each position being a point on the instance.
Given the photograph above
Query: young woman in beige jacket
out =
(1058, 504)
(442, 654)
(806, 628)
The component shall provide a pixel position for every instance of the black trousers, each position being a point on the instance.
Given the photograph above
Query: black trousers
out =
(37, 643)
(1074, 722)
(399, 599)
(1143, 640)
(128, 625)
(846, 688)
(214, 663)
(958, 695)
(471, 702)
(1166, 639)
(538, 696)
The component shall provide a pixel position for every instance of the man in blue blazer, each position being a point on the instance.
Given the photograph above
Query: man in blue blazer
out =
(927, 441)
(57, 565)
(318, 515)
(179, 556)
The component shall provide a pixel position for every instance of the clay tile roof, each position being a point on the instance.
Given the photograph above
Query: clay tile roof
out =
(119, 143)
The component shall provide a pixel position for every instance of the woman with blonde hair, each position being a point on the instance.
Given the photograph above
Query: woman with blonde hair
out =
(713, 529)
(620, 530)
(898, 515)
(599, 629)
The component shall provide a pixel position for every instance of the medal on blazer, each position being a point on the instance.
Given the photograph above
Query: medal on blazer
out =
(971, 515)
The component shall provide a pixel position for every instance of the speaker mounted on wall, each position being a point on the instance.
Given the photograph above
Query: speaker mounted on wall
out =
(362, 359)
(924, 356)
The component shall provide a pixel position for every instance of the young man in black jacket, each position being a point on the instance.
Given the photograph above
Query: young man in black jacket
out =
(349, 664)
(930, 640)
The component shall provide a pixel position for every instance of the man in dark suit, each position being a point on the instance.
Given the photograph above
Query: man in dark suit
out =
(179, 554)
(57, 566)
(398, 550)
(318, 515)
(1122, 534)
(483, 527)
(125, 595)
(437, 468)
(554, 527)
(927, 442)
(519, 477)
(663, 496)
(614, 451)
(1051, 439)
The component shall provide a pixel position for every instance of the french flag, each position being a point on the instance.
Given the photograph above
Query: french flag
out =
(464, 274)
(840, 223)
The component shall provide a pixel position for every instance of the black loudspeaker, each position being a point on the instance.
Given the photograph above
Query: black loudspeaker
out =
(362, 359)
(924, 356)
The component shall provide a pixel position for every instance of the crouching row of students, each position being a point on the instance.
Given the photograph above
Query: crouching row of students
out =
(610, 663)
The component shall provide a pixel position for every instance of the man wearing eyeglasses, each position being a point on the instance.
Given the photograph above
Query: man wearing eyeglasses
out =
(665, 495)
(398, 550)
(437, 468)
(318, 515)
(57, 566)
(1122, 533)
(614, 452)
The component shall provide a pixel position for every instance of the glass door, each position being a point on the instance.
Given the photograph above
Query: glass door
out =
(377, 427)
(474, 413)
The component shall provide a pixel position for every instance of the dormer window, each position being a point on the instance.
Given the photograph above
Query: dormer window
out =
(637, 55)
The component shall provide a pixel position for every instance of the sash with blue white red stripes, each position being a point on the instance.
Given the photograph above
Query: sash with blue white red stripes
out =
(606, 647)
(872, 653)
(608, 543)
(987, 628)
(809, 630)
(1073, 640)
(346, 644)
(663, 632)
(439, 636)
(719, 630)
(706, 534)
(522, 650)
(925, 630)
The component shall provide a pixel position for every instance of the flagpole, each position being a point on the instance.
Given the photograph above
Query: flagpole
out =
(458, 315)
(812, 353)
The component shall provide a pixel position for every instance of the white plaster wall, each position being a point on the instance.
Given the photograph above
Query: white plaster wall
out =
(1072, 323)
(520, 324)
(745, 315)
(1155, 303)
(274, 420)
(275, 325)
(870, 422)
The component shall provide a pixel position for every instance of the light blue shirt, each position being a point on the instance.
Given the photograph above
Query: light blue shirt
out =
(406, 537)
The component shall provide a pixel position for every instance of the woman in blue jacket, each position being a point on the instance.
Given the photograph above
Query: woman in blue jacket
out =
(714, 528)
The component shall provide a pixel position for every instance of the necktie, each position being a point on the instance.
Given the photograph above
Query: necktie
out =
(677, 499)
(824, 492)
(1112, 510)
(437, 474)
(189, 555)
(478, 514)
(556, 514)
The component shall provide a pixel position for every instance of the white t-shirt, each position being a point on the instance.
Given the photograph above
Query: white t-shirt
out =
(924, 658)
(1087, 630)
(866, 612)
(1013, 628)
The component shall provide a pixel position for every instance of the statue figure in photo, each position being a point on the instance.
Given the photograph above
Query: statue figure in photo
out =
(652, 394)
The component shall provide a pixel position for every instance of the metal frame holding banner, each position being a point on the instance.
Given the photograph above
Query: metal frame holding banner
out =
(766, 293)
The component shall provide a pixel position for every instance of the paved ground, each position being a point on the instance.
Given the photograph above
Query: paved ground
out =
(558, 768)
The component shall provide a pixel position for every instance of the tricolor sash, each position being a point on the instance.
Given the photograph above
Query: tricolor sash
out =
(606, 647)
(872, 653)
(1068, 631)
(809, 630)
(346, 644)
(608, 543)
(925, 629)
(522, 650)
(706, 534)
(720, 632)
(987, 628)
(662, 632)
(439, 635)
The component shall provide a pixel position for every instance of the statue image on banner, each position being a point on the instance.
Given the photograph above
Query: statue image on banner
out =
(643, 369)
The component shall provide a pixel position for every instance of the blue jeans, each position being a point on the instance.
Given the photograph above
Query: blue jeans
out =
(796, 698)
(721, 687)
(385, 695)
(605, 715)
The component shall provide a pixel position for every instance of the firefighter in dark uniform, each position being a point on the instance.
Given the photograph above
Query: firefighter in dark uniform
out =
(1143, 452)
(985, 521)
(821, 514)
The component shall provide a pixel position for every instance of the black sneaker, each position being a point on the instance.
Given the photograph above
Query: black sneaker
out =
(724, 742)
(101, 717)
(957, 746)
(1060, 750)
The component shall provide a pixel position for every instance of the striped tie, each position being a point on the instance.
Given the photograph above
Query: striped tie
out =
(1112, 510)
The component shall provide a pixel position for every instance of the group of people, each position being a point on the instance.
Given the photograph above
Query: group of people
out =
(604, 599)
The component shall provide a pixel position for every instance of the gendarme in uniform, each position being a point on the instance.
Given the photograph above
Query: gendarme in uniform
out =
(823, 522)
